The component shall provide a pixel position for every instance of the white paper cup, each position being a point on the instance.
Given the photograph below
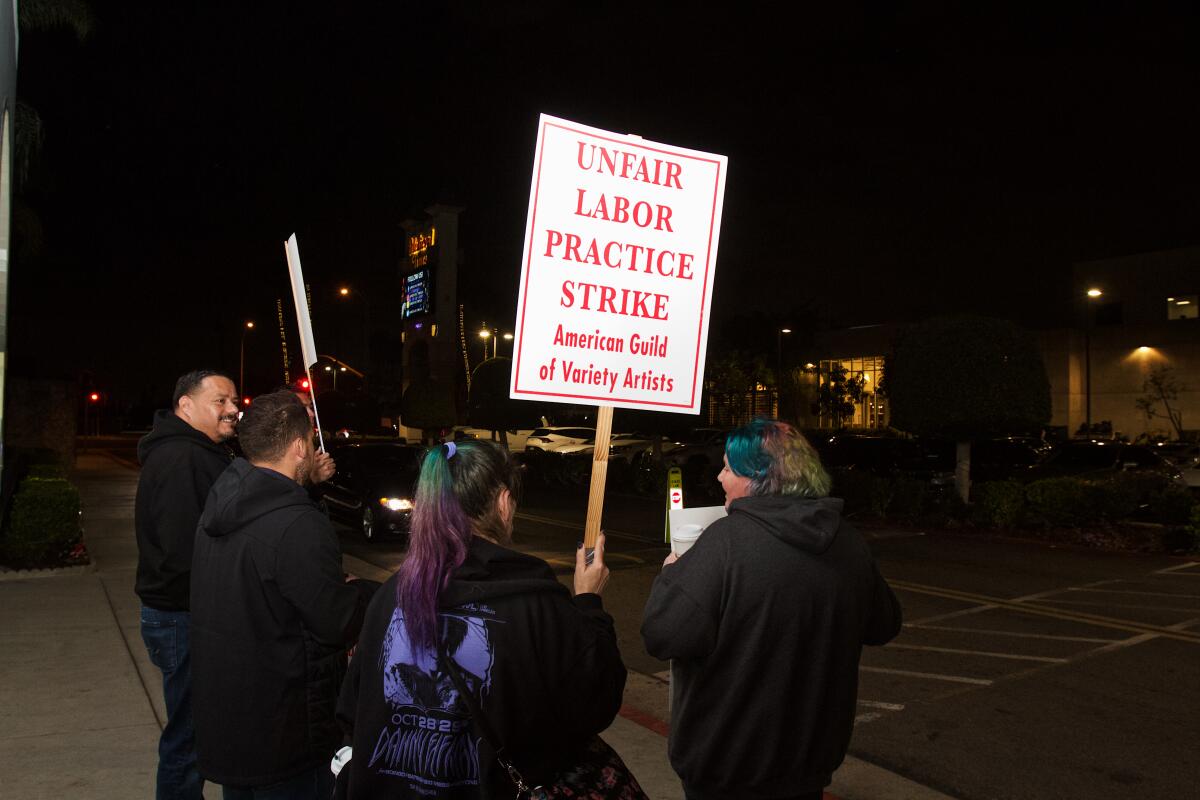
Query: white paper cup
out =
(684, 537)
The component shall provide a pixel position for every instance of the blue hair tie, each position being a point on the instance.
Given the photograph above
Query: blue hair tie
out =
(451, 449)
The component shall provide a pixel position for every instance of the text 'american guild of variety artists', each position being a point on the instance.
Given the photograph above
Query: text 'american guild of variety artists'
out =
(660, 264)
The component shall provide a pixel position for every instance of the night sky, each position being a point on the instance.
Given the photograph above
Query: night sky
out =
(886, 162)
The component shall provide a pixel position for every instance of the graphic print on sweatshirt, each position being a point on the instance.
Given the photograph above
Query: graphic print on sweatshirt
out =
(428, 738)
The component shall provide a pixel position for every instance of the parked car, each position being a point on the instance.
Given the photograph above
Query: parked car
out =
(622, 447)
(1099, 459)
(991, 459)
(1191, 476)
(549, 439)
(373, 486)
(517, 437)
(1181, 454)
(700, 447)
(883, 456)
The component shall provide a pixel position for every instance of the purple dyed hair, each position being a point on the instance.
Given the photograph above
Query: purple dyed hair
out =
(455, 499)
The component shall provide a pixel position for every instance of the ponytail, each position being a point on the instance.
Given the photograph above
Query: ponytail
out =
(456, 495)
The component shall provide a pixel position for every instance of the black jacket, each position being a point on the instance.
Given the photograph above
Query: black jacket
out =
(272, 617)
(545, 665)
(179, 466)
(765, 618)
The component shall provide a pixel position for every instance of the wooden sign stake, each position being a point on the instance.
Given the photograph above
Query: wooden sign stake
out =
(599, 477)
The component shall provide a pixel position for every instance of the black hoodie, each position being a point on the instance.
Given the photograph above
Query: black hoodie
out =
(179, 466)
(765, 618)
(545, 667)
(272, 617)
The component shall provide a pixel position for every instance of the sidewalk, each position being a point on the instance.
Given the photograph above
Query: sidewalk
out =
(81, 705)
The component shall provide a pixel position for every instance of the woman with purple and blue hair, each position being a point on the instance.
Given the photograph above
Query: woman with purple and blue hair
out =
(473, 648)
(764, 618)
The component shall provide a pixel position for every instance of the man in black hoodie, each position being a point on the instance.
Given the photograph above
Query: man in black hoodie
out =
(272, 616)
(765, 617)
(181, 457)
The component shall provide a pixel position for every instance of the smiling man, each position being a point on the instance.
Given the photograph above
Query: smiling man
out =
(181, 458)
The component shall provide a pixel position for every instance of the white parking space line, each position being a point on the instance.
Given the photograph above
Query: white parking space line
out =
(870, 716)
(962, 612)
(1132, 591)
(1178, 569)
(1097, 604)
(1016, 634)
(933, 676)
(986, 653)
(881, 706)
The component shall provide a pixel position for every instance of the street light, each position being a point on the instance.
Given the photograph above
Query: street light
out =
(486, 334)
(1092, 294)
(508, 337)
(249, 326)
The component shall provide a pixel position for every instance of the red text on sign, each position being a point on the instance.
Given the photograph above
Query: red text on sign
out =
(629, 165)
(610, 300)
(666, 263)
(641, 213)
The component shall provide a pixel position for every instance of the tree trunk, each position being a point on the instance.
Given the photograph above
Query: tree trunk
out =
(962, 470)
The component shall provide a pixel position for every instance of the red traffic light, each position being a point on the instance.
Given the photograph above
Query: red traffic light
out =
(245, 401)
(304, 383)
(94, 397)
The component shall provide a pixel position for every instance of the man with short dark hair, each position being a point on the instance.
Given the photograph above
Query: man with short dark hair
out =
(323, 467)
(181, 457)
(272, 616)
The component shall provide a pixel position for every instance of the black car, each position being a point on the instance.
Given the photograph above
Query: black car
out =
(991, 459)
(1099, 459)
(884, 456)
(373, 486)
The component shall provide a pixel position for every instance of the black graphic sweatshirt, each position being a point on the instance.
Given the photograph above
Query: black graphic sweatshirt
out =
(765, 618)
(544, 667)
(179, 466)
(272, 617)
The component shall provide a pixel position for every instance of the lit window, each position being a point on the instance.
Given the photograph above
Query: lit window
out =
(1183, 306)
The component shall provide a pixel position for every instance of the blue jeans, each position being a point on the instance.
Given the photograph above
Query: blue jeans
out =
(314, 784)
(166, 636)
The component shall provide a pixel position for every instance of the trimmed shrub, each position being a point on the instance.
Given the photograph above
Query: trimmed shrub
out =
(1173, 505)
(880, 493)
(1193, 528)
(910, 499)
(47, 472)
(1063, 502)
(43, 523)
(999, 504)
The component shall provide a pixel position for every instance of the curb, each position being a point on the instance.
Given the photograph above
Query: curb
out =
(7, 574)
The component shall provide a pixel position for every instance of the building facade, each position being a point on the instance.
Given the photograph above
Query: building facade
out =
(1133, 319)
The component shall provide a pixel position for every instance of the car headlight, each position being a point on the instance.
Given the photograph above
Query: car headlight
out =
(396, 503)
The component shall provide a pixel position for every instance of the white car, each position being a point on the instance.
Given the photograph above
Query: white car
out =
(623, 447)
(1191, 476)
(549, 439)
(517, 437)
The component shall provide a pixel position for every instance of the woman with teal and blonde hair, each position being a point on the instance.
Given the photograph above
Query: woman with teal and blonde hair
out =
(764, 619)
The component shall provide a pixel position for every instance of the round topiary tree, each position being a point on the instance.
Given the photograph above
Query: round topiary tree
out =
(965, 378)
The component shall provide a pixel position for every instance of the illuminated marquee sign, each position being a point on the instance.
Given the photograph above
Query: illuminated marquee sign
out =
(419, 245)
(418, 293)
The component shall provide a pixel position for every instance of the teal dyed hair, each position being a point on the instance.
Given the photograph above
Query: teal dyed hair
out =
(455, 498)
(777, 459)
